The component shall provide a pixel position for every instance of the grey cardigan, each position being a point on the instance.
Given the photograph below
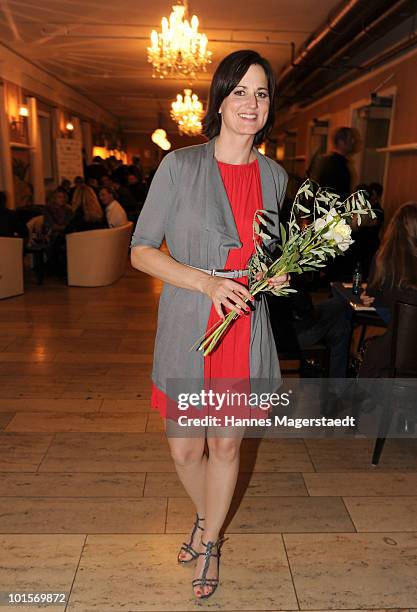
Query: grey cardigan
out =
(187, 204)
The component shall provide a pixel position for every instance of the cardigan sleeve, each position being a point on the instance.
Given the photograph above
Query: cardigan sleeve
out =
(151, 224)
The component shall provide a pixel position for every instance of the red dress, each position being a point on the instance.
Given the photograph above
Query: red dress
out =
(230, 359)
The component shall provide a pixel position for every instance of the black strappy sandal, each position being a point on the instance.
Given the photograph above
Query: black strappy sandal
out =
(187, 546)
(202, 582)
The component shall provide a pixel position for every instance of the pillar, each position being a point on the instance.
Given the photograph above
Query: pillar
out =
(36, 161)
(6, 168)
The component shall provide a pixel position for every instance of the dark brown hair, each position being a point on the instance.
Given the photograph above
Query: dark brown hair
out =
(228, 75)
(396, 259)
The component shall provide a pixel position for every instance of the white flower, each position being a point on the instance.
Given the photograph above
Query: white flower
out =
(329, 219)
(319, 224)
(341, 234)
(338, 231)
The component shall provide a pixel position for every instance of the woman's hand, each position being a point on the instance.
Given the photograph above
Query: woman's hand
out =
(367, 300)
(228, 293)
(275, 281)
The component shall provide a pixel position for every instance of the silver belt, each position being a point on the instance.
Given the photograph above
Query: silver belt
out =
(223, 273)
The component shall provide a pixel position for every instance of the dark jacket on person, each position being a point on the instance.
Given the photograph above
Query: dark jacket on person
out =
(378, 352)
(11, 226)
(79, 223)
(334, 173)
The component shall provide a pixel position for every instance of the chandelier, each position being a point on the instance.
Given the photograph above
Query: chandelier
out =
(187, 112)
(179, 50)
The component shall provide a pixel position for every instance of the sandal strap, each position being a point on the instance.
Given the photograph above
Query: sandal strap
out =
(187, 546)
(189, 549)
(203, 580)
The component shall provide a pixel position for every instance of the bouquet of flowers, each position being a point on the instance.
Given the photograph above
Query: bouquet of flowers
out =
(319, 228)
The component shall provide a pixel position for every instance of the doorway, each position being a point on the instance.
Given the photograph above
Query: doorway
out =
(373, 122)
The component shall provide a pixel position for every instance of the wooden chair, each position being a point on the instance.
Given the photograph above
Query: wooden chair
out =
(403, 364)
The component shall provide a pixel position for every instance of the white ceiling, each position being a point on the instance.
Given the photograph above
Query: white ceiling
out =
(99, 46)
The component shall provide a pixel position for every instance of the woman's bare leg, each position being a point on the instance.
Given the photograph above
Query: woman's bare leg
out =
(191, 463)
(221, 477)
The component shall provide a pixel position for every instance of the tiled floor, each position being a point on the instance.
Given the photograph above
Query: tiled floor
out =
(90, 504)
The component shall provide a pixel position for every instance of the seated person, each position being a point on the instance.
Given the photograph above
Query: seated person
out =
(58, 212)
(115, 214)
(79, 180)
(393, 278)
(11, 226)
(57, 215)
(328, 322)
(88, 214)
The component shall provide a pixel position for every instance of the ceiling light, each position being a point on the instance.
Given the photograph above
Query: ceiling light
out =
(187, 111)
(179, 50)
(159, 137)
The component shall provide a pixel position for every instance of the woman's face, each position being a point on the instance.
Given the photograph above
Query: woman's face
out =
(245, 110)
(60, 199)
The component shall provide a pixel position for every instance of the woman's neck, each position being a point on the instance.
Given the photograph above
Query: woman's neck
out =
(234, 149)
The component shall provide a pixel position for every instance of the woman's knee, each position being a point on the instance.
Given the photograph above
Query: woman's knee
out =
(187, 453)
(224, 449)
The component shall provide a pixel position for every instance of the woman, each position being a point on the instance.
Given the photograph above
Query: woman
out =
(393, 278)
(58, 212)
(202, 200)
(88, 213)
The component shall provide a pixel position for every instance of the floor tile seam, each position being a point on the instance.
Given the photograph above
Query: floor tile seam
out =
(307, 450)
(290, 570)
(76, 571)
(46, 452)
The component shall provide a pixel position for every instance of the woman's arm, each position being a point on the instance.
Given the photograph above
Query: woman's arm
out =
(222, 291)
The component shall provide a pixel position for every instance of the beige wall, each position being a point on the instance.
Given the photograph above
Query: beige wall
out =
(401, 168)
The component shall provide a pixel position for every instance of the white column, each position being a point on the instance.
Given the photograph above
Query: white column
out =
(36, 161)
(6, 169)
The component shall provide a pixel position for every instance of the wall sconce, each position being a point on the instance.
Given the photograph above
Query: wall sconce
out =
(280, 152)
(23, 111)
(69, 126)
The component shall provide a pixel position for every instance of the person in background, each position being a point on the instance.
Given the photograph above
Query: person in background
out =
(97, 169)
(137, 188)
(57, 215)
(11, 225)
(65, 186)
(297, 322)
(79, 180)
(334, 171)
(94, 184)
(58, 212)
(335, 174)
(393, 278)
(123, 195)
(366, 235)
(88, 214)
(115, 214)
(137, 164)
